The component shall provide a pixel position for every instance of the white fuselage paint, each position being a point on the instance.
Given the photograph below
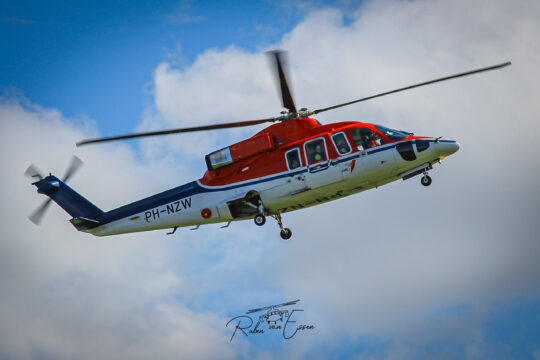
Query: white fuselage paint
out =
(287, 191)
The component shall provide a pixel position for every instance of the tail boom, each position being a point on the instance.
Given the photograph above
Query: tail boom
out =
(85, 214)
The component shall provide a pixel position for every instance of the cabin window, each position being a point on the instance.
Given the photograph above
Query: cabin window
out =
(392, 134)
(365, 138)
(219, 159)
(341, 143)
(315, 151)
(293, 159)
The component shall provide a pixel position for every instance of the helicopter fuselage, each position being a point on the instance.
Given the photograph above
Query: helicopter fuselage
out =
(300, 171)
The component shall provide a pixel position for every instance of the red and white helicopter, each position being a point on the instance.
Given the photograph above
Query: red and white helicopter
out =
(290, 165)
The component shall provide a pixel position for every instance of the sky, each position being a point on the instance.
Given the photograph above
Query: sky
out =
(399, 272)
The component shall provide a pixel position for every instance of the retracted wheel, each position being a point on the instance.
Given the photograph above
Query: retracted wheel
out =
(259, 220)
(426, 180)
(286, 234)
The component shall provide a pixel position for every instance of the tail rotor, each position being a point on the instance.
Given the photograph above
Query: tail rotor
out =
(35, 174)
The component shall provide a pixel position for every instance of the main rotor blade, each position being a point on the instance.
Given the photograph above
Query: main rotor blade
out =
(37, 215)
(494, 67)
(73, 167)
(286, 96)
(179, 130)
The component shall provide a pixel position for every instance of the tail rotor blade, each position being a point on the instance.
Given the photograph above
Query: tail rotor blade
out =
(33, 172)
(37, 215)
(76, 163)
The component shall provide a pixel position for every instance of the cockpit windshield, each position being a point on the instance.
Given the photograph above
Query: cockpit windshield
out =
(391, 133)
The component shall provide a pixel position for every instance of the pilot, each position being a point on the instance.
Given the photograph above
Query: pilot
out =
(374, 140)
(318, 154)
(369, 142)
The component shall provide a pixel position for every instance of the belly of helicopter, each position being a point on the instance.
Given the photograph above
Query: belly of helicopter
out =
(354, 175)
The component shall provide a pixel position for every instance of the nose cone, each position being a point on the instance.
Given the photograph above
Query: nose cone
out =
(447, 147)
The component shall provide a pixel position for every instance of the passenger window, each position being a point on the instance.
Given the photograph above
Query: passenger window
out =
(293, 159)
(315, 151)
(341, 143)
(365, 138)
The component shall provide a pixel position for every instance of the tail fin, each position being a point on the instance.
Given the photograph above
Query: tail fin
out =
(85, 214)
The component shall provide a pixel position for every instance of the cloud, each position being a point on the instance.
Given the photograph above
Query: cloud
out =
(66, 294)
(381, 265)
(182, 14)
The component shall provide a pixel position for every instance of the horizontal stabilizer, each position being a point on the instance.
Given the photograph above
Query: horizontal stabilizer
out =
(82, 224)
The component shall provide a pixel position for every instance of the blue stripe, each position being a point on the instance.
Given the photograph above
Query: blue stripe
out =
(193, 188)
(180, 192)
(154, 201)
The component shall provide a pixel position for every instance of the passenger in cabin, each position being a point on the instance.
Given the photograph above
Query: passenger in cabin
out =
(315, 151)
(341, 144)
(293, 159)
(318, 154)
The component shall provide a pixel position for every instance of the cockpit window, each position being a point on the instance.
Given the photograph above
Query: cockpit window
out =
(342, 145)
(315, 151)
(365, 138)
(392, 134)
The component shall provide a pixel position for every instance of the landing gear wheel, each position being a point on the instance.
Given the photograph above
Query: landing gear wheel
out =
(286, 234)
(259, 220)
(426, 180)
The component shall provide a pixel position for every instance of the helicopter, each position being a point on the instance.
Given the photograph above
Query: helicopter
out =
(293, 164)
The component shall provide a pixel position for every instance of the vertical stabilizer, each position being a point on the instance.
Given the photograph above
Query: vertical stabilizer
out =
(85, 214)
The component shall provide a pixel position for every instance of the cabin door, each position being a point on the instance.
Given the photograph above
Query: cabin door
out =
(321, 170)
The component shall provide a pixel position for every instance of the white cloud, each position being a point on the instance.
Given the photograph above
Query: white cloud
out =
(66, 294)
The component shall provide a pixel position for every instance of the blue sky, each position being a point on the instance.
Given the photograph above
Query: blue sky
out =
(97, 58)
(400, 272)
